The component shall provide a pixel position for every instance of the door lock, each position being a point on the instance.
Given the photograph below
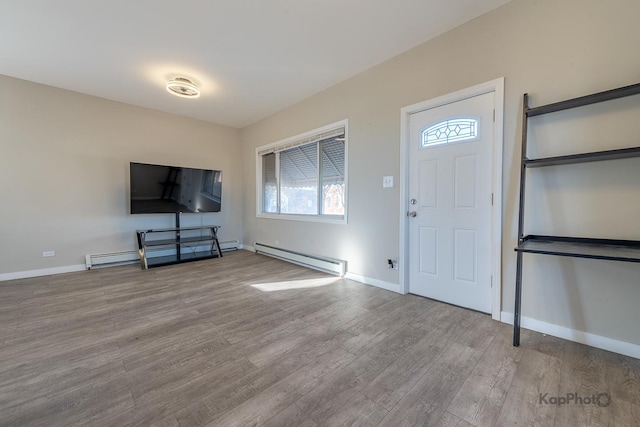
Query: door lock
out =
(413, 201)
(412, 214)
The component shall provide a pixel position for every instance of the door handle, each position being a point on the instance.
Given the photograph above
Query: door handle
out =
(412, 214)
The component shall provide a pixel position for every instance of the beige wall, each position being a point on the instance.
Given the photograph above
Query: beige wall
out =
(551, 49)
(64, 173)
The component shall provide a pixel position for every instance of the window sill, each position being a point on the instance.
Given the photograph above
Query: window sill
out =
(327, 219)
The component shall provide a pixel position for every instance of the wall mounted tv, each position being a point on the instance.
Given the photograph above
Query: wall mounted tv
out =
(174, 189)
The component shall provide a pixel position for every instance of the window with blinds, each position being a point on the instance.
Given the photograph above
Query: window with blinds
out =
(212, 184)
(305, 175)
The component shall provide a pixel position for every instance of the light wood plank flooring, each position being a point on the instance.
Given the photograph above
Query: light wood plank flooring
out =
(249, 340)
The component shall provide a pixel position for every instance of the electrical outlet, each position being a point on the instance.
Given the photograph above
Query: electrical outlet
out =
(48, 253)
(276, 242)
(387, 181)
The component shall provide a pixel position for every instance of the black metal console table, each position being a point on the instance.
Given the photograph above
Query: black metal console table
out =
(175, 241)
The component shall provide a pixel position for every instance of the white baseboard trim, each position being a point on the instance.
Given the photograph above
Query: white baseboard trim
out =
(394, 287)
(593, 340)
(42, 272)
(64, 269)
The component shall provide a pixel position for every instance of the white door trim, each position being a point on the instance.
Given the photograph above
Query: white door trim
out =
(497, 87)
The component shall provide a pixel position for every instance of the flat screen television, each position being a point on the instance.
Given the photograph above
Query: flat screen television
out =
(174, 189)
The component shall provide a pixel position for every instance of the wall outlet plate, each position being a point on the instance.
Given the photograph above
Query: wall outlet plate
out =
(48, 253)
(387, 181)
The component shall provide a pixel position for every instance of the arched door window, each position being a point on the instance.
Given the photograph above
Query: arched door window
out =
(452, 130)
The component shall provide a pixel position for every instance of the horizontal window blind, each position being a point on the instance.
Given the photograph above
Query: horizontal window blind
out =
(304, 141)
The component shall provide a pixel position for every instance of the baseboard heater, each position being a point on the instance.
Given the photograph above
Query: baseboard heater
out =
(112, 259)
(329, 265)
(131, 257)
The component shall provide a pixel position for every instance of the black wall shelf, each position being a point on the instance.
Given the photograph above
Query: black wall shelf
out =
(578, 247)
(597, 156)
(607, 249)
(582, 101)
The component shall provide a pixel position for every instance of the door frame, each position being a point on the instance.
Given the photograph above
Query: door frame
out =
(497, 87)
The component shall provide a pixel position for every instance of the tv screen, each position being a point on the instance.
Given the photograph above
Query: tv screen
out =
(173, 189)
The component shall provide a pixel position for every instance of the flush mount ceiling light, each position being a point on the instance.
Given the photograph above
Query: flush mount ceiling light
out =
(183, 87)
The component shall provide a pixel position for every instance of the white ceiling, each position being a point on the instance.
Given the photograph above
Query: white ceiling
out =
(250, 58)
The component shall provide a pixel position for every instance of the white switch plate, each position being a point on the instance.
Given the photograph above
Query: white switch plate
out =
(387, 181)
(48, 253)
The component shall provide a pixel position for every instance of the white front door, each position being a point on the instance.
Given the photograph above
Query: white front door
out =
(450, 184)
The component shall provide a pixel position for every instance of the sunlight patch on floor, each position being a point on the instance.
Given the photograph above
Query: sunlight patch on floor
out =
(295, 284)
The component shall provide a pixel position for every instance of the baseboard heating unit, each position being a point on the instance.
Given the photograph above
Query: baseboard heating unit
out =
(329, 265)
(130, 257)
(112, 259)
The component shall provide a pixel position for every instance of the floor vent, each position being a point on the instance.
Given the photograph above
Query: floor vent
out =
(329, 265)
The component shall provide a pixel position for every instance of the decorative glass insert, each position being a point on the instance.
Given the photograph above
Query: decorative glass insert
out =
(453, 130)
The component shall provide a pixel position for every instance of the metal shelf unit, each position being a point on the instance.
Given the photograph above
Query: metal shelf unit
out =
(206, 235)
(579, 247)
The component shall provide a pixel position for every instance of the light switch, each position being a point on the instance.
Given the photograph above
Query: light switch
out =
(387, 181)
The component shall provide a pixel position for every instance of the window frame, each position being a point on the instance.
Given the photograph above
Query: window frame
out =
(216, 176)
(331, 219)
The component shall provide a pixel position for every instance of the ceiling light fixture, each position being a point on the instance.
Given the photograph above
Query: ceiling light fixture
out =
(183, 87)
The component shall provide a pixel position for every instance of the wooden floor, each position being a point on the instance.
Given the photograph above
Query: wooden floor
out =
(249, 340)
